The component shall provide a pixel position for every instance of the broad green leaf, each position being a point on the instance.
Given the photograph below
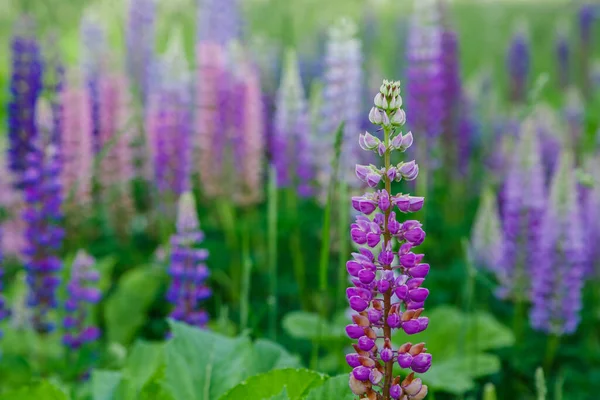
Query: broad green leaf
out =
(125, 309)
(142, 364)
(456, 375)
(270, 355)
(335, 388)
(298, 382)
(281, 396)
(305, 325)
(40, 391)
(201, 365)
(105, 384)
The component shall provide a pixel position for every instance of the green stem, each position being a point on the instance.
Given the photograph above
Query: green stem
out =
(551, 348)
(344, 223)
(246, 272)
(387, 296)
(296, 248)
(272, 251)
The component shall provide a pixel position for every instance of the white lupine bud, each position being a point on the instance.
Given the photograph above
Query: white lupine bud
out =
(399, 118)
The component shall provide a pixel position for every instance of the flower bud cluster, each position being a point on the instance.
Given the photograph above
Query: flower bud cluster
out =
(386, 294)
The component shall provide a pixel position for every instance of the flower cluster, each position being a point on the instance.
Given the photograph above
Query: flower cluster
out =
(518, 64)
(558, 276)
(291, 131)
(386, 296)
(219, 21)
(44, 234)
(187, 268)
(82, 293)
(140, 37)
(25, 88)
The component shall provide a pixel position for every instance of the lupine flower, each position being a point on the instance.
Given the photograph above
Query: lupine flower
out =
(219, 21)
(44, 234)
(4, 310)
(524, 202)
(77, 145)
(563, 58)
(53, 86)
(487, 241)
(386, 297)
(115, 166)
(518, 64)
(424, 85)
(342, 101)
(25, 88)
(82, 294)
(140, 45)
(93, 49)
(591, 211)
(291, 134)
(169, 123)
(557, 278)
(550, 135)
(187, 268)
(12, 239)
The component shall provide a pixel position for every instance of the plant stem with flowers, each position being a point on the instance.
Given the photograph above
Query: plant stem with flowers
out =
(387, 296)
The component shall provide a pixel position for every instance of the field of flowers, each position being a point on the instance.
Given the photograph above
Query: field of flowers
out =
(301, 200)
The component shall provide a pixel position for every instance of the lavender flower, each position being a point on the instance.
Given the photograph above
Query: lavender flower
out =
(219, 21)
(4, 310)
(424, 70)
(487, 241)
(342, 101)
(551, 139)
(140, 45)
(25, 88)
(557, 279)
(524, 202)
(44, 234)
(11, 202)
(376, 281)
(290, 145)
(591, 211)
(82, 294)
(518, 64)
(587, 16)
(169, 123)
(563, 58)
(187, 269)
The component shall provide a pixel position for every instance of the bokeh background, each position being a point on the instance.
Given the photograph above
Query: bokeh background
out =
(126, 121)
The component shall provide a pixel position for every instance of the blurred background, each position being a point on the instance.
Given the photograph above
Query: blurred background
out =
(124, 123)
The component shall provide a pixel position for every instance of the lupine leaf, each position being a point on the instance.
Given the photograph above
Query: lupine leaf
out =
(306, 325)
(105, 384)
(298, 383)
(270, 355)
(335, 388)
(40, 391)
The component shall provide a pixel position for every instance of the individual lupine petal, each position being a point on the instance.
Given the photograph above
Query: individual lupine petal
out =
(374, 315)
(376, 116)
(415, 203)
(358, 304)
(421, 363)
(373, 179)
(399, 118)
(384, 200)
(354, 331)
(353, 360)
(364, 205)
(405, 360)
(393, 320)
(366, 276)
(357, 386)
(419, 271)
(409, 170)
(365, 343)
(361, 373)
(368, 141)
(375, 376)
(362, 171)
(396, 391)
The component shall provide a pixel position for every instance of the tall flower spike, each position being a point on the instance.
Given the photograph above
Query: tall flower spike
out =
(77, 145)
(187, 268)
(25, 88)
(563, 57)
(342, 101)
(169, 122)
(587, 15)
(518, 64)
(116, 170)
(219, 21)
(424, 86)
(44, 234)
(82, 294)
(386, 296)
(591, 211)
(290, 150)
(524, 203)
(557, 278)
(140, 36)
(11, 203)
(487, 241)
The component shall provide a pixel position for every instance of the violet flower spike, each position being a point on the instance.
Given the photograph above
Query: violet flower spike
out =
(382, 299)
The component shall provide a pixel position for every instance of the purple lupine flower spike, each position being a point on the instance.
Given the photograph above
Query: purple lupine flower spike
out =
(563, 58)
(587, 15)
(4, 310)
(82, 293)
(25, 88)
(591, 211)
(140, 36)
(558, 276)
(219, 21)
(44, 234)
(342, 101)
(187, 268)
(518, 64)
(291, 132)
(487, 241)
(386, 297)
(524, 203)
(169, 122)
(424, 86)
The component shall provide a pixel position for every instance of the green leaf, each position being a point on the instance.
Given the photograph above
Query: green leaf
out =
(297, 382)
(281, 396)
(305, 325)
(335, 388)
(105, 384)
(456, 375)
(41, 391)
(125, 310)
(202, 365)
(141, 366)
(270, 355)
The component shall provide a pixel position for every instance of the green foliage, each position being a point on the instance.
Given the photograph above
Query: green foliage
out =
(40, 391)
(334, 388)
(489, 392)
(125, 310)
(307, 325)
